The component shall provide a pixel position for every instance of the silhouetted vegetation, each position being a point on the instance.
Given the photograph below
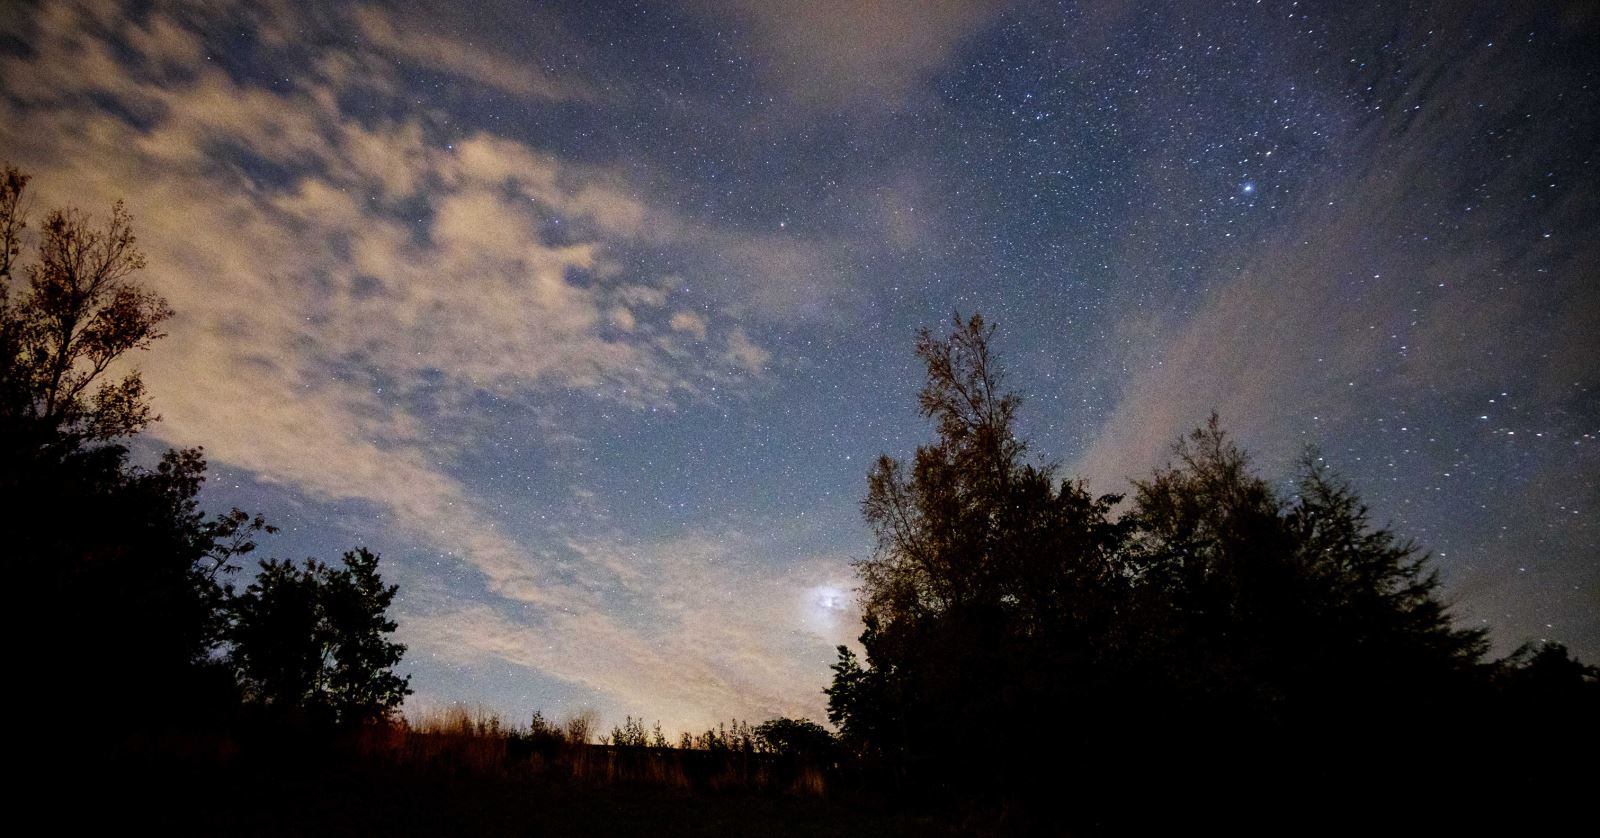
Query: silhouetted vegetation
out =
(311, 639)
(1209, 650)
(798, 737)
(1213, 645)
(125, 585)
(787, 756)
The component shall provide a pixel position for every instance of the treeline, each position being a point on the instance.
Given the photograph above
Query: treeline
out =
(1209, 647)
(794, 737)
(123, 591)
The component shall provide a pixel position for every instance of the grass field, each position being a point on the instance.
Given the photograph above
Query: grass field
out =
(455, 773)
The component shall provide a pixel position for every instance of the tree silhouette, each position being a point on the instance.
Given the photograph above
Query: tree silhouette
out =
(13, 216)
(796, 737)
(1286, 619)
(313, 640)
(80, 312)
(988, 595)
(1211, 617)
(117, 564)
(128, 578)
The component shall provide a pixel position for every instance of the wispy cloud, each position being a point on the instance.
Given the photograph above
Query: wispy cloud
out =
(1324, 318)
(520, 76)
(707, 628)
(856, 53)
(1394, 294)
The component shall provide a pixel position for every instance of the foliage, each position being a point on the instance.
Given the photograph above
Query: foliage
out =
(1546, 685)
(973, 527)
(795, 737)
(987, 572)
(579, 727)
(1211, 613)
(124, 568)
(1547, 667)
(856, 698)
(13, 217)
(79, 313)
(1325, 617)
(118, 562)
(731, 758)
(730, 737)
(313, 639)
(631, 734)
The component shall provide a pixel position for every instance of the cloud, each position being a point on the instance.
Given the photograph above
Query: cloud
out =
(711, 632)
(782, 278)
(908, 213)
(745, 354)
(623, 319)
(350, 291)
(857, 53)
(690, 324)
(1327, 316)
(517, 76)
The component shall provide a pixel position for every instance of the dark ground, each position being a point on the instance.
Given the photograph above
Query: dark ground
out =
(378, 799)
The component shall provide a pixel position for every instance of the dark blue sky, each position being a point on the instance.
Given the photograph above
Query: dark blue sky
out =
(590, 317)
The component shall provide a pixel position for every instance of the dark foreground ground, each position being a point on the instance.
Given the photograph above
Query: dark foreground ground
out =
(329, 792)
(377, 799)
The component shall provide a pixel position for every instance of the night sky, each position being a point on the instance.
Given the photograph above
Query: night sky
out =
(590, 317)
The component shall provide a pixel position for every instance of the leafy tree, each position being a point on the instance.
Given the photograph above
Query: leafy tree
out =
(13, 216)
(80, 312)
(1211, 617)
(854, 702)
(973, 525)
(1547, 668)
(1298, 610)
(796, 737)
(990, 586)
(631, 734)
(312, 639)
(1545, 687)
(118, 564)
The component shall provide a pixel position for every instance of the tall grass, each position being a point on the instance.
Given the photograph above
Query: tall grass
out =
(474, 740)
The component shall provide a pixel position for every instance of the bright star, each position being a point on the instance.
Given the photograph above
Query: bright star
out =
(1249, 187)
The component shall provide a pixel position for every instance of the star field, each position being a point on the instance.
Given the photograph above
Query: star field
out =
(590, 318)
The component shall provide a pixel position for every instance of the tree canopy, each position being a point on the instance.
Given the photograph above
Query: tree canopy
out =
(79, 312)
(1208, 612)
(121, 566)
(127, 583)
(314, 639)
